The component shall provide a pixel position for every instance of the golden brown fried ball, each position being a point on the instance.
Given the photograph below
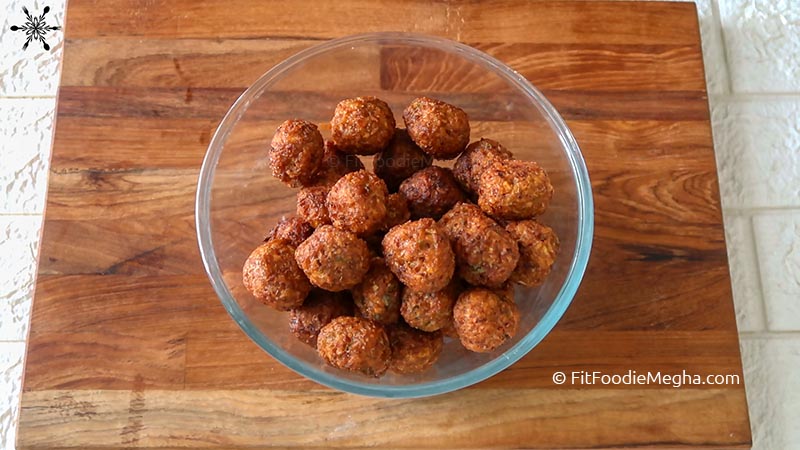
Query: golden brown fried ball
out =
(355, 344)
(419, 253)
(291, 229)
(357, 203)
(399, 160)
(362, 125)
(317, 311)
(431, 192)
(486, 254)
(333, 259)
(429, 311)
(312, 207)
(413, 351)
(484, 321)
(514, 190)
(538, 245)
(471, 164)
(377, 297)
(273, 277)
(438, 128)
(296, 151)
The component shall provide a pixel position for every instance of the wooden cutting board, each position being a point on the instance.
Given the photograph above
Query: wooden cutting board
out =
(130, 348)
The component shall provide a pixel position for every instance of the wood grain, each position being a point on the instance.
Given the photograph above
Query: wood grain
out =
(556, 67)
(208, 103)
(150, 142)
(581, 22)
(131, 348)
(164, 62)
(159, 419)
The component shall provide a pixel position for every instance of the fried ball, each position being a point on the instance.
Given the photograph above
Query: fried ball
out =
(362, 125)
(429, 311)
(419, 253)
(538, 248)
(471, 164)
(396, 211)
(377, 297)
(357, 203)
(431, 192)
(484, 320)
(333, 259)
(311, 206)
(335, 165)
(440, 129)
(413, 351)
(506, 292)
(355, 344)
(486, 254)
(291, 229)
(317, 311)
(514, 190)
(399, 160)
(296, 151)
(273, 277)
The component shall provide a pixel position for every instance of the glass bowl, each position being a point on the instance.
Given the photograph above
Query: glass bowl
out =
(238, 200)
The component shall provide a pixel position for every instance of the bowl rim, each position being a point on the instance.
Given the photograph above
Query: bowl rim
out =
(554, 313)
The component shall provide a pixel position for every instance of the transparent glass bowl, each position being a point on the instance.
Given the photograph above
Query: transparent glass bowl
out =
(238, 200)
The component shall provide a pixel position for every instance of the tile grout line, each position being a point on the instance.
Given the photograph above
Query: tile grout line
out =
(767, 333)
(754, 253)
(762, 209)
(760, 96)
(27, 97)
(716, 16)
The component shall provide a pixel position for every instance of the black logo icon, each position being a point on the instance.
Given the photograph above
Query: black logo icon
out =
(35, 28)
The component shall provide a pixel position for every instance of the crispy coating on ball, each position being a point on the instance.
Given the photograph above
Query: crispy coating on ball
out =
(506, 292)
(377, 297)
(419, 254)
(538, 248)
(355, 344)
(514, 190)
(357, 203)
(413, 351)
(333, 259)
(484, 321)
(399, 160)
(438, 128)
(312, 207)
(335, 165)
(317, 311)
(273, 277)
(292, 229)
(486, 254)
(471, 164)
(296, 151)
(396, 211)
(429, 311)
(431, 192)
(362, 125)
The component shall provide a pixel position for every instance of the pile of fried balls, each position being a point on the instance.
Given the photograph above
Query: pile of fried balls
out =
(377, 268)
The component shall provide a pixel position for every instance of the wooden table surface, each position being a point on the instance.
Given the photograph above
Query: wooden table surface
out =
(130, 348)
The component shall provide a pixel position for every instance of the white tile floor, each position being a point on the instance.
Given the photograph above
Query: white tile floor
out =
(752, 56)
